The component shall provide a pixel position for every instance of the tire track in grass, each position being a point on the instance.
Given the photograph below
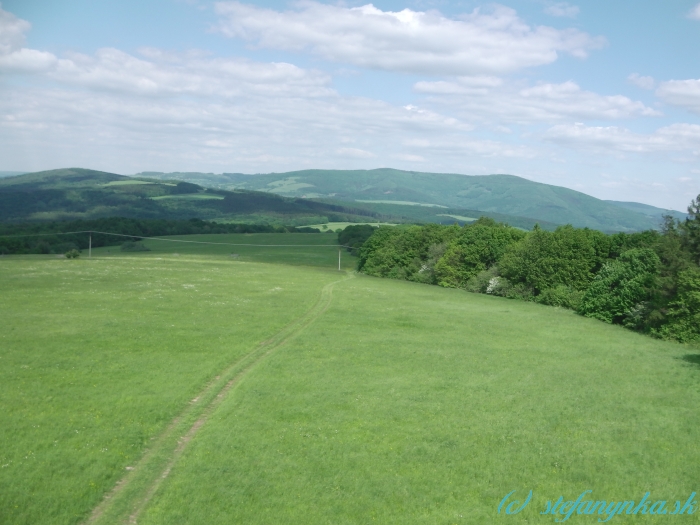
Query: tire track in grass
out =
(131, 495)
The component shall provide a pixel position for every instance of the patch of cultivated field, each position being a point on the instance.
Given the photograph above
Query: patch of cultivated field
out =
(308, 249)
(222, 392)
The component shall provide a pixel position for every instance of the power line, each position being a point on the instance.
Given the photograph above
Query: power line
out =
(182, 240)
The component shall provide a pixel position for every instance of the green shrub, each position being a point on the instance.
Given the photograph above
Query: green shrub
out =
(477, 247)
(683, 317)
(562, 296)
(72, 254)
(621, 288)
(545, 259)
(480, 282)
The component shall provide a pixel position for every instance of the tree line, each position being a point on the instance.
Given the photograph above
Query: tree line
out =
(647, 281)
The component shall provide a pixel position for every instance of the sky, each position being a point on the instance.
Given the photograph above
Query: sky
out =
(598, 96)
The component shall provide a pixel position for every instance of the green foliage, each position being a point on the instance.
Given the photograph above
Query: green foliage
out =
(545, 259)
(72, 254)
(562, 296)
(183, 188)
(692, 229)
(354, 236)
(683, 317)
(402, 252)
(622, 287)
(477, 247)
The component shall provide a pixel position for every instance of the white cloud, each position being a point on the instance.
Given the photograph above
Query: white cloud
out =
(488, 99)
(562, 9)
(683, 93)
(356, 153)
(13, 56)
(115, 70)
(407, 41)
(12, 31)
(694, 13)
(641, 82)
(611, 139)
(43, 128)
(157, 73)
(410, 158)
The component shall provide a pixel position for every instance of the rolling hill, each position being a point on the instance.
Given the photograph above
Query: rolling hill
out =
(76, 193)
(504, 194)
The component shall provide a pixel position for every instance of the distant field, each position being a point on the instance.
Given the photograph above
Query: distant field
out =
(458, 217)
(227, 391)
(404, 203)
(342, 225)
(309, 249)
(190, 196)
(134, 183)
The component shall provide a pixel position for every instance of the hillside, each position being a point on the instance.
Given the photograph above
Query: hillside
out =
(199, 388)
(650, 211)
(505, 194)
(76, 193)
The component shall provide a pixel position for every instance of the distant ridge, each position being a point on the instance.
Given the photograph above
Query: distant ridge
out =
(505, 194)
(78, 193)
(649, 211)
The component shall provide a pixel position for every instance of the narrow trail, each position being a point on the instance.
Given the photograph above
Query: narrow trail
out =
(132, 494)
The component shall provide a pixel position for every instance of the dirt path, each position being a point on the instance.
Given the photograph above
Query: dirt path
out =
(131, 495)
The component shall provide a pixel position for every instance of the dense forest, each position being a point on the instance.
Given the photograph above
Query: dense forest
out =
(647, 281)
(52, 237)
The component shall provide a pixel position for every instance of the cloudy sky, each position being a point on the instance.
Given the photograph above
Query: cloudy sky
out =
(600, 96)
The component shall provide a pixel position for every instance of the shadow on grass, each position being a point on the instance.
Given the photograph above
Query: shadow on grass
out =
(693, 359)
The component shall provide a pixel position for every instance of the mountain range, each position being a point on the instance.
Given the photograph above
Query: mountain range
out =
(313, 196)
(502, 194)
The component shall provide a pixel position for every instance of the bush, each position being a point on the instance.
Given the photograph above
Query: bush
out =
(481, 281)
(621, 288)
(683, 317)
(562, 296)
(72, 254)
(545, 259)
(131, 246)
(479, 246)
(355, 235)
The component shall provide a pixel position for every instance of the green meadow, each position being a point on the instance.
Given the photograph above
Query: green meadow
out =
(297, 249)
(268, 388)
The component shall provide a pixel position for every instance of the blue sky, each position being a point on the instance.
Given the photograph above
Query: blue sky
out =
(602, 97)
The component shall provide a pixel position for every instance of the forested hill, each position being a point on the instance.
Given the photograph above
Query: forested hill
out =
(70, 194)
(505, 194)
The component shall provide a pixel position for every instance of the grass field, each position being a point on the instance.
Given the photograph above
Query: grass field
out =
(230, 391)
(307, 249)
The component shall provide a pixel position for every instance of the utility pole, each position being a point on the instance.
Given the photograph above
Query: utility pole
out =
(338, 259)
(90, 246)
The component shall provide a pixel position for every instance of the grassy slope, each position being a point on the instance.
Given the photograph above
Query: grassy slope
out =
(414, 404)
(403, 403)
(495, 193)
(294, 253)
(97, 356)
